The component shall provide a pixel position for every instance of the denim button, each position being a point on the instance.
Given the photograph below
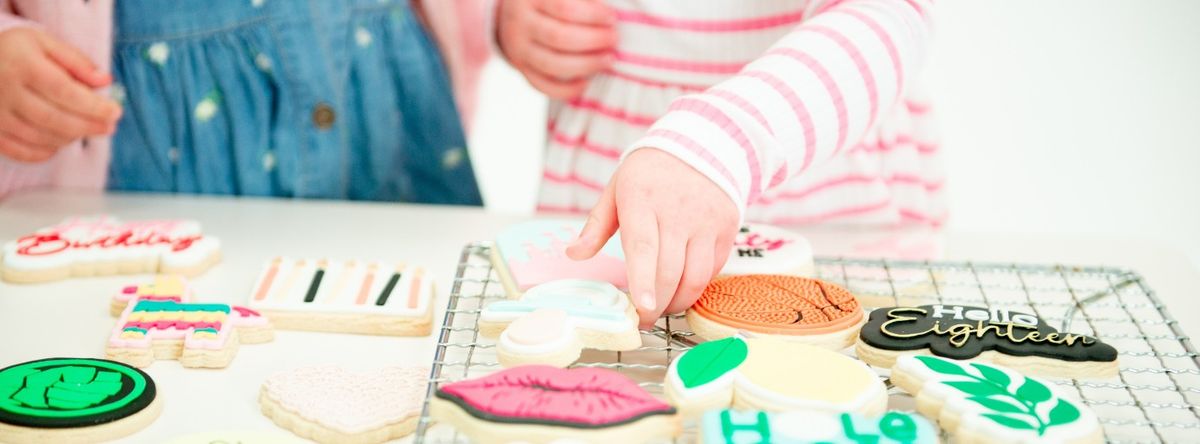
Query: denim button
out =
(323, 116)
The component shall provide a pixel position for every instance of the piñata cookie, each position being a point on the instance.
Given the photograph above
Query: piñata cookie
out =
(765, 249)
(197, 335)
(772, 375)
(104, 246)
(807, 427)
(1009, 338)
(794, 308)
(74, 400)
(335, 405)
(980, 403)
(534, 252)
(542, 404)
(360, 297)
(163, 288)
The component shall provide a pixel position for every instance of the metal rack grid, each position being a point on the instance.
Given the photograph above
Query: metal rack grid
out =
(1154, 398)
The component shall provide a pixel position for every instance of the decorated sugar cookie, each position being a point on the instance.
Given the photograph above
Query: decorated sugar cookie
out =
(980, 403)
(795, 308)
(764, 249)
(104, 245)
(773, 375)
(807, 427)
(551, 323)
(335, 405)
(198, 335)
(163, 288)
(534, 253)
(1009, 338)
(538, 404)
(372, 298)
(69, 400)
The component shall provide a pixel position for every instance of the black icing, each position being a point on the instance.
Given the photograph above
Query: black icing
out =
(471, 410)
(997, 334)
(127, 384)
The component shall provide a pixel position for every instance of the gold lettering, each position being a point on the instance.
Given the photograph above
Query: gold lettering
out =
(896, 318)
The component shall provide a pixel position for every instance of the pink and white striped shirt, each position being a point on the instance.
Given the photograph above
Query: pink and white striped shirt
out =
(802, 111)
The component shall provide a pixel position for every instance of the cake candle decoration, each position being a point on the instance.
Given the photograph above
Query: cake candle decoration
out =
(339, 286)
(294, 273)
(391, 285)
(315, 285)
(414, 289)
(268, 278)
(365, 289)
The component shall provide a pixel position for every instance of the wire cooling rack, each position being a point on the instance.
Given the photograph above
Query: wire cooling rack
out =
(1153, 399)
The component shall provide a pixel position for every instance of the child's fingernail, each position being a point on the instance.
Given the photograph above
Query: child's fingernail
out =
(647, 300)
(581, 240)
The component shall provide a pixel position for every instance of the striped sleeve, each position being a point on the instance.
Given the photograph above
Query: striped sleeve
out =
(812, 94)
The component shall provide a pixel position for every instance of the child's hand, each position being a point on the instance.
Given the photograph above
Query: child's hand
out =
(677, 228)
(46, 99)
(556, 44)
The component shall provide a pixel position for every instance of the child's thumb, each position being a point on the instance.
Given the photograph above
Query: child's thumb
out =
(74, 62)
(600, 226)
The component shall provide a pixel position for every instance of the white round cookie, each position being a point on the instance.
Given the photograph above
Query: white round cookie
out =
(766, 249)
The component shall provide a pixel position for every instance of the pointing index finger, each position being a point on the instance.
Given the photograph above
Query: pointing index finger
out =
(639, 239)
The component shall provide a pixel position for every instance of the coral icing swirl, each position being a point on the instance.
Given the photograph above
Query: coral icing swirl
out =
(776, 304)
(540, 394)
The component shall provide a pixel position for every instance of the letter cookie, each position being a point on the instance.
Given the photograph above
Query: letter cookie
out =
(369, 298)
(794, 308)
(764, 249)
(539, 404)
(74, 400)
(806, 427)
(334, 405)
(103, 246)
(773, 375)
(1005, 337)
(980, 403)
(198, 335)
(553, 322)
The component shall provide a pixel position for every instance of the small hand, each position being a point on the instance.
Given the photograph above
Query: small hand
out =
(557, 44)
(46, 100)
(677, 229)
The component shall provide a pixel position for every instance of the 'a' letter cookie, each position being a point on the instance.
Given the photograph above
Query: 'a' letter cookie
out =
(981, 403)
(807, 427)
(104, 246)
(1013, 339)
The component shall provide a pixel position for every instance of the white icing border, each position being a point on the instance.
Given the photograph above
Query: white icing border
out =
(344, 301)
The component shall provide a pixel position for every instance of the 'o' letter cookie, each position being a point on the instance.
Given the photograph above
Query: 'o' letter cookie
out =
(334, 405)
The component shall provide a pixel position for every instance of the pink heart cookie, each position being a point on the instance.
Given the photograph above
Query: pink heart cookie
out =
(332, 404)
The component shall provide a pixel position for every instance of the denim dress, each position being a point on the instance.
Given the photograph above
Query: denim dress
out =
(336, 99)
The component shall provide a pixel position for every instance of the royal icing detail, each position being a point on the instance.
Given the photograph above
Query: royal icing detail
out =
(534, 253)
(200, 327)
(963, 332)
(585, 397)
(764, 249)
(348, 401)
(350, 287)
(803, 427)
(72, 392)
(86, 243)
(987, 400)
(546, 320)
(775, 373)
(778, 304)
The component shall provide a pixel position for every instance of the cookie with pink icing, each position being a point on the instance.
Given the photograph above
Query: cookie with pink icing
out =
(104, 246)
(335, 405)
(164, 288)
(537, 403)
(765, 249)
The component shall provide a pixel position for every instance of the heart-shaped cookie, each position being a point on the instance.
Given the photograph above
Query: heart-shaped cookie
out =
(333, 404)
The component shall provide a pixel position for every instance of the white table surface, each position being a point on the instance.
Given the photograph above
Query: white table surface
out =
(254, 230)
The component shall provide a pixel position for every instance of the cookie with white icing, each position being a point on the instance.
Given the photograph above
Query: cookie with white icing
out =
(794, 308)
(335, 405)
(543, 404)
(772, 375)
(808, 427)
(360, 297)
(1002, 336)
(553, 322)
(105, 246)
(981, 403)
(766, 249)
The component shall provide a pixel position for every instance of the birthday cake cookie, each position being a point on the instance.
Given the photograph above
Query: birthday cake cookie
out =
(980, 403)
(795, 308)
(335, 405)
(553, 322)
(197, 335)
(104, 246)
(772, 375)
(371, 298)
(765, 249)
(1013, 339)
(74, 400)
(807, 427)
(542, 404)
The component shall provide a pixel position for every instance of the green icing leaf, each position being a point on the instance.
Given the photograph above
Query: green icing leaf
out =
(943, 366)
(1063, 413)
(1033, 391)
(1009, 421)
(998, 405)
(706, 362)
(976, 388)
(992, 374)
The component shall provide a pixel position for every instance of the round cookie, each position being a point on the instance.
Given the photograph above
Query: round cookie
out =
(544, 336)
(66, 400)
(795, 308)
(766, 249)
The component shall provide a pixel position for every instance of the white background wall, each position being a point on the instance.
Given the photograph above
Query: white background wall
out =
(1065, 117)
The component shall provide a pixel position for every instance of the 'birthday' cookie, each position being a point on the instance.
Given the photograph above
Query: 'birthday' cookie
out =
(104, 246)
(195, 334)
(553, 322)
(765, 249)
(794, 308)
(773, 375)
(981, 403)
(336, 405)
(808, 427)
(74, 400)
(371, 298)
(1013, 339)
(542, 404)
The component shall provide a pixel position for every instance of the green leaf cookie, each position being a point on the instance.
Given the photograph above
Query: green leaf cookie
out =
(706, 362)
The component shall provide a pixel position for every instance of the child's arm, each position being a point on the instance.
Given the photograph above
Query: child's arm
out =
(814, 93)
(556, 44)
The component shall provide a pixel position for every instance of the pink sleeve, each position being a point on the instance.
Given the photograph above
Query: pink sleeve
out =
(9, 19)
(812, 94)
